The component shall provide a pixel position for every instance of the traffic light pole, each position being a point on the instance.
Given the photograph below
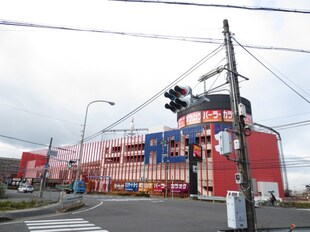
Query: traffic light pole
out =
(43, 179)
(238, 128)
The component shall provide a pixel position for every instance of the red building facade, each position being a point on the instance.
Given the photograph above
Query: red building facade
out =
(158, 162)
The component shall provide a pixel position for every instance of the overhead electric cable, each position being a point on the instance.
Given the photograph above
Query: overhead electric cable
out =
(271, 71)
(151, 36)
(279, 72)
(154, 36)
(38, 114)
(257, 8)
(282, 117)
(158, 94)
(22, 140)
(291, 125)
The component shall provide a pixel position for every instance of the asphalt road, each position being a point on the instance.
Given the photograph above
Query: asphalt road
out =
(13, 195)
(132, 214)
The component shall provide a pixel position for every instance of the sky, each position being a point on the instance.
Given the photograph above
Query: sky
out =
(49, 76)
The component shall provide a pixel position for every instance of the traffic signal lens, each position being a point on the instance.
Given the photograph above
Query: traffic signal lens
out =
(181, 98)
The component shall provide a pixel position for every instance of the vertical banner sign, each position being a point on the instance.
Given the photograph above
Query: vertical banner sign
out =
(195, 155)
(197, 152)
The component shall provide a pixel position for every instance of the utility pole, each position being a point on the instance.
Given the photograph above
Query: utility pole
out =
(43, 179)
(238, 128)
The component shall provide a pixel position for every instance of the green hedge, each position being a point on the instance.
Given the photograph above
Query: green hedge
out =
(11, 205)
(296, 204)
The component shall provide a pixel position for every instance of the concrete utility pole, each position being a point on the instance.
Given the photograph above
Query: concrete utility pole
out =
(43, 179)
(238, 129)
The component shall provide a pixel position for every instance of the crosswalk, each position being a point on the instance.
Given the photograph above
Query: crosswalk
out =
(58, 225)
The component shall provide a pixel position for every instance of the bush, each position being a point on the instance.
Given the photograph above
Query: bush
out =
(11, 205)
(296, 204)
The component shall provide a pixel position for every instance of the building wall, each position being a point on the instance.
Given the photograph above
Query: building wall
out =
(131, 159)
(39, 159)
(265, 160)
(8, 168)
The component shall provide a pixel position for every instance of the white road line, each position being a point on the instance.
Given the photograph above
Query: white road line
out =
(55, 223)
(57, 220)
(88, 209)
(71, 229)
(127, 199)
(59, 225)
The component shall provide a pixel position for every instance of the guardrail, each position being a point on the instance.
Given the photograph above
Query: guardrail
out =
(72, 201)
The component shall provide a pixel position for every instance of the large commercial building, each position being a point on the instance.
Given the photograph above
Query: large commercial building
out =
(8, 168)
(158, 162)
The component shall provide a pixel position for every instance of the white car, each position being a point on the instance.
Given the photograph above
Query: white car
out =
(25, 188)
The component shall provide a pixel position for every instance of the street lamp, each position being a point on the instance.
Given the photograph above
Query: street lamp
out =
(82, 142)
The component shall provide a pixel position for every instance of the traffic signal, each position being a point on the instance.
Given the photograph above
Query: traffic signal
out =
(180, 98)
(224, 146)
(70, 162)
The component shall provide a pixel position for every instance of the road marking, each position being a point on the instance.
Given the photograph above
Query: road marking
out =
(88, 209)
(58, 225)
(304, 209)
(158, 201)
(127, 199)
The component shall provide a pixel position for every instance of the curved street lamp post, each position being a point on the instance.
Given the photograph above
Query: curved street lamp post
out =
(82, 142)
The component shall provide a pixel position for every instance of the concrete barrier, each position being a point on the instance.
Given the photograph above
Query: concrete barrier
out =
(2, 191)
(71, 202)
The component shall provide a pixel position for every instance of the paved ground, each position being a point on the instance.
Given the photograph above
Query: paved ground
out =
(13, 195)
(111, 201)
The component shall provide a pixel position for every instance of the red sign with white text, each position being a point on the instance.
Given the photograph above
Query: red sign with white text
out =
(212, 116)
(181, 122)
(193, 118)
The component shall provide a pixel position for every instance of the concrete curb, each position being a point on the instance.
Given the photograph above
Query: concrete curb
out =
(32, 212)
(70, 208)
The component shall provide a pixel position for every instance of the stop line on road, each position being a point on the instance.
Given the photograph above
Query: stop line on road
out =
(124, 199)
(130, 199)
(58, 225)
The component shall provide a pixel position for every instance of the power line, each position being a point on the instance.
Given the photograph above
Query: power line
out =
(23, 140)
(35, 143)
(291, 125)
(193, 39)
(254, 8)
(154, 36)
(158, 94)
(37, 114)
(143, 35)
(271, 71)
(282, 117)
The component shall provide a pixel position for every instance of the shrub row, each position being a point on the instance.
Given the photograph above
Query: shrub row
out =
(11, 205)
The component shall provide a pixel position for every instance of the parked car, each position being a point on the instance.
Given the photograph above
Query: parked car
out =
(25, 188)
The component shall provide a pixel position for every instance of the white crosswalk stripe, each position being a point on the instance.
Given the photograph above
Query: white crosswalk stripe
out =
(58, 225)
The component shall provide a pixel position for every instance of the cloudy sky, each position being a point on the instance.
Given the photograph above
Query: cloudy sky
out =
(49, 76)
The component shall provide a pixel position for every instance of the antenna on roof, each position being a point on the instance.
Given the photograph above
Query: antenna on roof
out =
(132, 126)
